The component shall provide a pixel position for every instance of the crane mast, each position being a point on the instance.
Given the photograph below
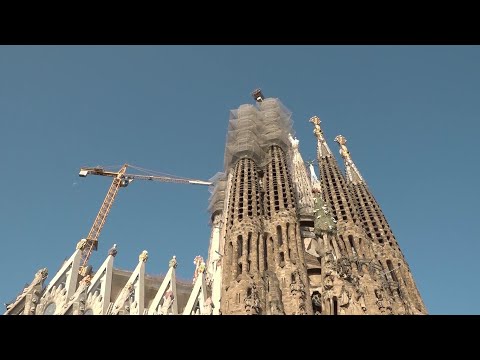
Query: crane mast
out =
(120, 179)
(92, 238)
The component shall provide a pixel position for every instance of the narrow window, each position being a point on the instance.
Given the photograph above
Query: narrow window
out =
(279, 235)
(239, 245)
(350, 239)
(249, 241)
(265, 260)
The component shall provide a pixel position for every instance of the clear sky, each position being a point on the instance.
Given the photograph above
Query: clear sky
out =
(410, 115)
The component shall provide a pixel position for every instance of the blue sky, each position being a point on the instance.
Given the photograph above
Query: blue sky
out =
(410, 115)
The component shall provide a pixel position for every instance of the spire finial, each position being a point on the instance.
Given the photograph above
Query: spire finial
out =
(315, 120)
(353, 175)
(341, 140)
(322, 147)
(143, 256)
(293, 141)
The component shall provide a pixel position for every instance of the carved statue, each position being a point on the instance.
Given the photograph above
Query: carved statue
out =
(81, 244)
(344, 268)
(328, 282)
(208, 306)
(379, 302)
(199, 267)
(40, 275)
(143, 256)
(345, 297)
(252, 301)
(297, 287)
(168, 298)
(359, 294)
(317, 303)
(173, 262)
(113, 250)
(343, 148)
(315, 120)
(86, 280)
(293, 141)
(126, 292)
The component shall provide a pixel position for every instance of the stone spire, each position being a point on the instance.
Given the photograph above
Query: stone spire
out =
(263, 263)
(334, 189)
(302, 185)
(353, 175)
(322, 147)
(398, 277)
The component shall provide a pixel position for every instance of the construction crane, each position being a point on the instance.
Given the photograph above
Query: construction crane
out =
(120, 179)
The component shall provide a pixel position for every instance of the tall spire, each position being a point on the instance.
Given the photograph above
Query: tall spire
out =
(302, 185)
(353, 175)
(333, 185)
(322, 147)
(375, 224)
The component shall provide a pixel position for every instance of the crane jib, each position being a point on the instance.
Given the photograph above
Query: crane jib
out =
(121, 179)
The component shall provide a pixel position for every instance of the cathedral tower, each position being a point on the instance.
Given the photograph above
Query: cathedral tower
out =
(263, 263)
(390, 257)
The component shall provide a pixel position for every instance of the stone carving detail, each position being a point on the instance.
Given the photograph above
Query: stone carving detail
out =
(344, 268)
(39, 277)
(274, 296)
(199, 267)
(143, 256)
(122, 298)
(113, 251)
(343, 148)
(94, 302)
(252, 301)
(173, 262)
(317, 303)
(315, 120)
(82, 287)
(168, 298)
(56, 295)
(208, 306)
(81, 244)
(297, 289)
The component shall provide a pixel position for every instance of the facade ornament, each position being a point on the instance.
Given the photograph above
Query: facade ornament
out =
(345, 297)
(173, 262)
(315, 120)
(81, 244)
(39, 277)
(344, 268)
(168, 298)
(293, 141)
(199, 267)
(143, 256)
(340, 139)
(113, 250)
(252, 301)
(208, 307)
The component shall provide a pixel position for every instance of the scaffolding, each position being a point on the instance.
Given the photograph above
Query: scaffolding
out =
(252, 130)
(217, 197)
